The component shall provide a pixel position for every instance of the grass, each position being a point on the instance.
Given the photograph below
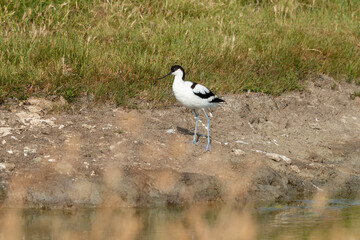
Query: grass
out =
(115, 50)
(355, 95)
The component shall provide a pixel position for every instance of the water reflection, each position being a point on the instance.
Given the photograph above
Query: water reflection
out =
(311, 219)
(305, 219)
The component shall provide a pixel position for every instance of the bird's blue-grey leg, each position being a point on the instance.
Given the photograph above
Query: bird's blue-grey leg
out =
(196, 124)
(207, 146)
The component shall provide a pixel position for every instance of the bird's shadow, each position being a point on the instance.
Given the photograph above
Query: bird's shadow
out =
(185, 131)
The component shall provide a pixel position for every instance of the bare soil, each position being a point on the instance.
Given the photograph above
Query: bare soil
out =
(264, 148)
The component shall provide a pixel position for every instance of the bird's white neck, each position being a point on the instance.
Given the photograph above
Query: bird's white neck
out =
(178, 80)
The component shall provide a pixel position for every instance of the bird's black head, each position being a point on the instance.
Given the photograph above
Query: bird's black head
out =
(174, 69)
(177, 67)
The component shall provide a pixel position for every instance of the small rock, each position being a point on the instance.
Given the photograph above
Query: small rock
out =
(277, 157)
(7, 166)
(238, 152)
(61, 127)
(295, 168)
(33, 119)
(107, 127)
(258, 151)
(275, 142)
(10, 152)
(273, 156)
(36, 159)
(315, 126)
(170, 131)
(88, 126)
(286, 159)
(86, 165)
(29, 150)
(3, 141)
(34, 109)
(52, 160)
(5, 131)
(15, 138)
(42, 103)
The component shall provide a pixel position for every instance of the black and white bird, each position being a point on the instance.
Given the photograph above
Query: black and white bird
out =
(194, 96)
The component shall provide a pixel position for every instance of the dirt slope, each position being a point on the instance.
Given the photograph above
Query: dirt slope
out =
(264, 148)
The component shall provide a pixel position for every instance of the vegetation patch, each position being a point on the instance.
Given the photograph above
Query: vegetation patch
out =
(115, 50)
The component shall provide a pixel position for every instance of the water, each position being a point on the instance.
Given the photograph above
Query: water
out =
(337, 219)
(305, 219)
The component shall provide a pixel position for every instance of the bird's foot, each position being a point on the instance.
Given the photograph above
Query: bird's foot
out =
(192, 141)
(207, 147)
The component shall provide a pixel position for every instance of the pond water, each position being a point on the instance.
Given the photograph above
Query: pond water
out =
(304, 219)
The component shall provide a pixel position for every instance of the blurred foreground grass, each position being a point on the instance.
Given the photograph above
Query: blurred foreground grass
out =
(115, 50)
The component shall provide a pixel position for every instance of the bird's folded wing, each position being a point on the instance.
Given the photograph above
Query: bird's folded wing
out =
(201, 91)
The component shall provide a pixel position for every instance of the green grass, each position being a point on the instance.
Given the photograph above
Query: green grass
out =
(355, 95)
(112, 50)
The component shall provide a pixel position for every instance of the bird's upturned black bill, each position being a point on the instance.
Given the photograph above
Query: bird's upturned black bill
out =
(165, 75)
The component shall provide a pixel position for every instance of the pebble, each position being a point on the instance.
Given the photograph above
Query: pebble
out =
(295, 168)
(315, 126)
(109, 126)
(258, 151)
(7, 166)
(238, 152)
(88, 126)
(29, 150)
(86, 165)
(4, 131)
(15, 138)
(277, 157)
(36, 159)
(170, 131)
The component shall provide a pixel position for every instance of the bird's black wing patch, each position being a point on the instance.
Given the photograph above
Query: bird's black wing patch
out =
(217, 100)
(193, 85)
(204, 95)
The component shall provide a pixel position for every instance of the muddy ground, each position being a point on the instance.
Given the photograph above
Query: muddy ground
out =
(264, 148)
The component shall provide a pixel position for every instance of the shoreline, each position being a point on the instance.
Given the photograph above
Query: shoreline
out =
(264, 149)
